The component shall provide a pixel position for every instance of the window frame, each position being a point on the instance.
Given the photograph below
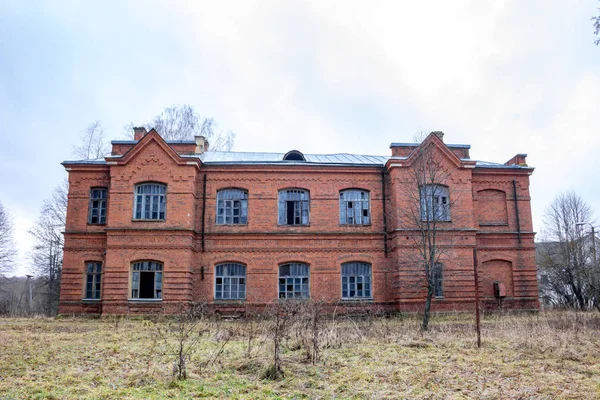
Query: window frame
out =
(343, 203)
(370, 281)
(304, 294)
(96, 273)
(431, 213)
(438, 280)
(158, 272)
(143, 204)
(282, 207)
(243, 207)
(244, 277)
(91, 207)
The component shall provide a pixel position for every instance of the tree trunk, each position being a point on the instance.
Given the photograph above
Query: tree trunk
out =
(426, 313)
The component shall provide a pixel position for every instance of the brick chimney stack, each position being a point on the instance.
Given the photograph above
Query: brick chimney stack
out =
(139, 133)
(439, 134)
(201, 144)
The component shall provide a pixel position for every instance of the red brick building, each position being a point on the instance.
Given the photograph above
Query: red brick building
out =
(162, 223)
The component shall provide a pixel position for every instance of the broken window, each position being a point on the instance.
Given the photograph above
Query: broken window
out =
(232, 207)
(93, 279)
(293, 207)
(354, 207)
(293, 281)
(230, 281)
(437, 275)
(435, 203)
(146, 280)
(150, 201)
(97, 207)
(356, 280)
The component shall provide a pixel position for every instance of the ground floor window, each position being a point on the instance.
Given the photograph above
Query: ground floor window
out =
(438, 280)
(93, 275)
(293, 281)
(356, 280)
(230, 281)
(146, 280)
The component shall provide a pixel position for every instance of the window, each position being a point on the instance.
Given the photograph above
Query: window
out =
(97, 209)
(293, 207)
(293, 281)
(150, 201)
(230, 282)
(438, 280)
(232, 207)
(146, 280)
(354, 207)
(93, 275)
(435, 203)
(356, 280)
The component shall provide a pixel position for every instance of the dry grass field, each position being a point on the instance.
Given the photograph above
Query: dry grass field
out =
(542, 356)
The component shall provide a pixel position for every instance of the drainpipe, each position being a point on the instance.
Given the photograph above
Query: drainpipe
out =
(385, 243)
(517, 210)
(203, 208)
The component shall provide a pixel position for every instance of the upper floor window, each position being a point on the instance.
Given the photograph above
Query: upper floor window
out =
(97, 208)
(146, 280)
(93, 274)
(232, 207)
(354, 207)
(293, 281)
(435, 203)
(150, 201)
(230, 281)
(356, 280)
(293, 207)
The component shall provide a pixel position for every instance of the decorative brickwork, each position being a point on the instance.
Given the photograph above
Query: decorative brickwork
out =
(490, 211)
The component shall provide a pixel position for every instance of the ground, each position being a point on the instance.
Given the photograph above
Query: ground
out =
(542, 356)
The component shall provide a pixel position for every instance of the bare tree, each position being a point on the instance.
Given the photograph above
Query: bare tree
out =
(47, 252)
(565, 255)
(93, 143)
(182, 122)
(596, 24)
(7, 246)
(428, 204)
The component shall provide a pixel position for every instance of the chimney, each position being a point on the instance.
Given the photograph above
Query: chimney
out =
(201, 144)
(139, 133)
(439, 134)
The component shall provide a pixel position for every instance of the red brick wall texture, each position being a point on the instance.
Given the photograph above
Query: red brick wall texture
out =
(485, 202)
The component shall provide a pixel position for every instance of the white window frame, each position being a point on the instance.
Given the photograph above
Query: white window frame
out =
(150, 201)
(357, 283)
(229, 275)
(146, 267)
(435, 203)
(351, 201)
(300, 200)
(97, 205)
(92, 286)
(230, 201)
(295, 284)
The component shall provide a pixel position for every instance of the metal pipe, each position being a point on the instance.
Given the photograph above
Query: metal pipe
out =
(203, 209)
(517, 209)
(385, 243)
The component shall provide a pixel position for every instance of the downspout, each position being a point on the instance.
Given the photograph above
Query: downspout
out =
(517, 210)
(385, 242)
(203, 209)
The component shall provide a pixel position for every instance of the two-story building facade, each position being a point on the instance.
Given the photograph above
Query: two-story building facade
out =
(158, 224)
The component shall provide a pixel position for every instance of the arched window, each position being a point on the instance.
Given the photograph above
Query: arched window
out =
(354, 207)
(150, 201)
(146, 280)
(356, 280)
(435, 203)
(294, 207)
(232, 207)
(93, 279)
(293, 281)
(230, 281)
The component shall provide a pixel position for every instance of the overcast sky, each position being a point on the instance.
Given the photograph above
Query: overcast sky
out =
(506, 77)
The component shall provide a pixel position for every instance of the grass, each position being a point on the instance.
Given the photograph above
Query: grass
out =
(543, 356)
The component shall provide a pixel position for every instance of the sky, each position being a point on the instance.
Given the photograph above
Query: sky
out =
(505, 77)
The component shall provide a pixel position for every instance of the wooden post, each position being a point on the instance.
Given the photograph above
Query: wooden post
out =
(477, 317)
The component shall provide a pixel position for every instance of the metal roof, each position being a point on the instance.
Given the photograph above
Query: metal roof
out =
(455, 146)
(258, 158)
